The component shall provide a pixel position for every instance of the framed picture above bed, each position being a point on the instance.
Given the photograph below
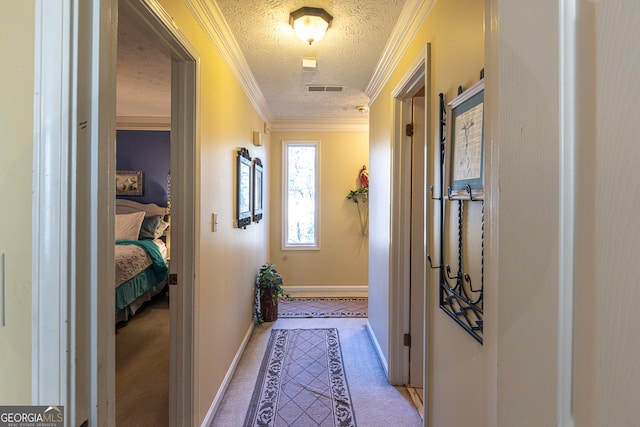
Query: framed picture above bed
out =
(465, 174)
(243, 188)
(128, 183)
(257, 189)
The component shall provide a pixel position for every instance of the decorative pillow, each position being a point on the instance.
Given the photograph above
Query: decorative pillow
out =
(161, 227)
(128, 226)
(149, 226)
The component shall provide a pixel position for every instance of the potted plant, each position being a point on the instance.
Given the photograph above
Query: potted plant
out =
(268, 290)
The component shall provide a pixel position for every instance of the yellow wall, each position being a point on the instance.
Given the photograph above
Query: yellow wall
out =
(455, 31)
(230, 257)
(16, 118)
(343, 254)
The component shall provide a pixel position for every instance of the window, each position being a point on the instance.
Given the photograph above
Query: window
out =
(301, 194)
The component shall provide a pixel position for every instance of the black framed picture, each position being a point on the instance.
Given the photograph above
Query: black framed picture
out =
(258, 190)
(465, 177)
(128, 183)
(243, 188)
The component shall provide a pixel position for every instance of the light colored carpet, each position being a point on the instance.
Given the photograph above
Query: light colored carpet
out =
(302, 307)
(302, 381)
(142, 367)
(375, 402)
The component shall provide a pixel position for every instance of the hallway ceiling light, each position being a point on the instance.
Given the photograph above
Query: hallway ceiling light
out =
(310, 23)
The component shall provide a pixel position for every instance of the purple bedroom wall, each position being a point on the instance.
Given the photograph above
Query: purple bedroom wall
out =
(148, 151)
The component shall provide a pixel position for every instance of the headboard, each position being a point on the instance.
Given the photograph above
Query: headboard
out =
(124, 206)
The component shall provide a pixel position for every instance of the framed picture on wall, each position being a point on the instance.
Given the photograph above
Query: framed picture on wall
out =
(128, 183)
(465, 145)
(243, 188)
(258, 190)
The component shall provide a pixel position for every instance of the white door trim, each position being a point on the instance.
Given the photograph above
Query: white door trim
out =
(567, 138)
(102, 201)
(399, 286)
(419, 211)
(51, 219)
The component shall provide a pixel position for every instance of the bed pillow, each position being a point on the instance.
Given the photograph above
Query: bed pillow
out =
(128, 225)
(149, 226)
(161, 227)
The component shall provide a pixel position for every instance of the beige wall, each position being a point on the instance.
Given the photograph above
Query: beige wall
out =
(607, 374)
(230, 257)
(455, 31)
(343, 254)
(526, 311)
(522, 299)
(16, 118)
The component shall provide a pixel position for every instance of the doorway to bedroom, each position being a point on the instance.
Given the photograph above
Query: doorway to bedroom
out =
(143, 204)
(156, 74)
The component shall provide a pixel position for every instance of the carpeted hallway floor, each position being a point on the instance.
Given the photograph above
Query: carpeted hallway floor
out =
(142, 364)
(375, 402)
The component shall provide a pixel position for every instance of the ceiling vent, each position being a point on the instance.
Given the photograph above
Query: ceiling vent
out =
(325, 88)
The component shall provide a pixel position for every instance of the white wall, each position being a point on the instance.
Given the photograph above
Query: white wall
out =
(16, 122)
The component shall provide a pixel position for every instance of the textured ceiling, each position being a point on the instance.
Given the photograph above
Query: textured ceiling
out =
(144, 73)
(347, 57)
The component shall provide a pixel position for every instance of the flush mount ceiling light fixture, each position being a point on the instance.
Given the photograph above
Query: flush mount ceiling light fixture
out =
(310, 23)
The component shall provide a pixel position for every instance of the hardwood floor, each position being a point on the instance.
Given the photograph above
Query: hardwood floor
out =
(142, 367)
(417, 397)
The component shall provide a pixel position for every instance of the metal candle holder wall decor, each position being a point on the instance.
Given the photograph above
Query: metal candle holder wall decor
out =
(360, 196)
(460, 297)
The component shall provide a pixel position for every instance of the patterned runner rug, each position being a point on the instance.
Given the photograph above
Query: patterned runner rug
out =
(301, 382)
(323, 307)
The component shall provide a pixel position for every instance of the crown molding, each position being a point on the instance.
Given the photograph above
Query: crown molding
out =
(210, 18)
(410, 21)
(143, 123)
(320, 125)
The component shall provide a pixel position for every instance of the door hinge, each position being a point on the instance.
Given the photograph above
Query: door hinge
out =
(173, 279)
(407, 340)
(409, 129)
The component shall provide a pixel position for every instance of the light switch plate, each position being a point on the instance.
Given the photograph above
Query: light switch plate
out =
(257, 138)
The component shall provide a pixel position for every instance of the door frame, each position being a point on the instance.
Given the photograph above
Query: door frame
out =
(60, 260)
(414, 79)
(418, 242)
(56, 201)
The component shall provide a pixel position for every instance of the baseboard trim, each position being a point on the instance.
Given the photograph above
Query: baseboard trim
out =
(376, 345)
(327, 291)
(208, 419)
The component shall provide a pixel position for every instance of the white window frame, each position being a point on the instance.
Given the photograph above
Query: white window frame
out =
(285, 194)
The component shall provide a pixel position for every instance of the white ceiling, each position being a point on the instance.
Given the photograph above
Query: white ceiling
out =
(347, 57)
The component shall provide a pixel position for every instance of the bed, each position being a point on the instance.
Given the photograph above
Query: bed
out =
(141, 255)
